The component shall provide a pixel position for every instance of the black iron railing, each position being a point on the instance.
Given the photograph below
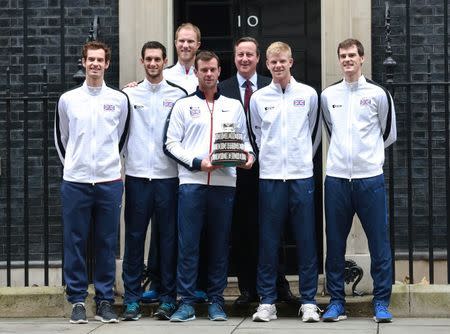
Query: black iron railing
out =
(33, 236)
(40, 103)
(420, 105)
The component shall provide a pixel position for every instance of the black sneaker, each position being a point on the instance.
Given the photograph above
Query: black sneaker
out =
(165, 311)
(132, 312)
(105, 312)
(78, 314)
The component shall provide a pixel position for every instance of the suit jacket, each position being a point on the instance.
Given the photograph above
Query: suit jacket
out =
(230, 88)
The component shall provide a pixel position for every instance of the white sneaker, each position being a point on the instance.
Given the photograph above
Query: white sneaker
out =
(265, 312)
(309, 312)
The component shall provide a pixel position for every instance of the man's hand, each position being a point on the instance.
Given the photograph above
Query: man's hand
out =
(207, 166)
(250, 161)
(131, 84)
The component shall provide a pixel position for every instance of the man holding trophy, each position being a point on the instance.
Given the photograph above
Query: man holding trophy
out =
(197, 125)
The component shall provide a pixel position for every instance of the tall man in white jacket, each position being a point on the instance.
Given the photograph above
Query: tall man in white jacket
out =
(360, 120)
(187, 42)
(91, 124)
(151, 184)
(206, 191)
(286, 124)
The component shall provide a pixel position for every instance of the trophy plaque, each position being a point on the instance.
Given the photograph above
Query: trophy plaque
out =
(228, 147)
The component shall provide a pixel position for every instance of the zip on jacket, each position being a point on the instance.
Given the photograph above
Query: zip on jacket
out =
(360, 120)
(189, 136)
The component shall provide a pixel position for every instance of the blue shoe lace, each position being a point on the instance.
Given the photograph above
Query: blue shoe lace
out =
(133, 307)
(185, 308)
(333, 310)
(381, 311)
(167, 306)
(216, 311)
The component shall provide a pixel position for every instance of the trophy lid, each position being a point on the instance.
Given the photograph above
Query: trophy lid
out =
(228, 127)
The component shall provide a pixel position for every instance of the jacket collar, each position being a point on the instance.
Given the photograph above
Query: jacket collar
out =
(200, 94)
(354, 85)
(153, 87)
(278, 88)
(93, 90)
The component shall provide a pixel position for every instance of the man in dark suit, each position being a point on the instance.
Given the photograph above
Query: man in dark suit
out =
(244, 251)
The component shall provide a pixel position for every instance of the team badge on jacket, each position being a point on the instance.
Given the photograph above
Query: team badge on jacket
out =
(109, 107)
(194, 111)
(365, 101)
(167, 104)
(299, 103)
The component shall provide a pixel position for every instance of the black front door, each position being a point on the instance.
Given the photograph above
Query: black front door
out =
(295, 22)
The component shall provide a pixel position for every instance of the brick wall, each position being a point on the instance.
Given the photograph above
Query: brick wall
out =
(43, 18)
(427, 40)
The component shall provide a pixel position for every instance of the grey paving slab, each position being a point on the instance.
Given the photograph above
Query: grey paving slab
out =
(163, 327)
(45, 326)
(295, 322)
(397, 329)
(416, 326)
(235, 325)
(420, 321)
(288, 325)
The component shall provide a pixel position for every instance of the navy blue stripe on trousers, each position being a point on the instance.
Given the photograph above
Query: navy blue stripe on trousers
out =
(367, 198)
(84, 204)
(146, 199)
(291, 200)
(209, 207)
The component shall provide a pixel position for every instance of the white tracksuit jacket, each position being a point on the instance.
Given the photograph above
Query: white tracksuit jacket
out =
(287, 130)
(190, 136)
(150, 107)
(360, 118)
(177, 74)
(91, 126)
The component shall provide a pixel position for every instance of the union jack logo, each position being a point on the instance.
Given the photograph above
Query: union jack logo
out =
(167, 104)
(109, 107)
(299, 102)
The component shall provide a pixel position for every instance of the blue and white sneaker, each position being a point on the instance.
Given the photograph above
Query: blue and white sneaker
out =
(184, 313)
(381, 313)
(216, 312)
(334, 312)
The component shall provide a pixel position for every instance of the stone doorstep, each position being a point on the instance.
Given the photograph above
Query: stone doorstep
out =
(407, 301)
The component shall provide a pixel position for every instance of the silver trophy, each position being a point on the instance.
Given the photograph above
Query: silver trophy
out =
(228, 147)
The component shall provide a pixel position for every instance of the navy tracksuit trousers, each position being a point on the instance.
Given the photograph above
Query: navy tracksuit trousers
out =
(210, 207)
(84, 204)
(367, 198)
(145, 199)
(281, 201)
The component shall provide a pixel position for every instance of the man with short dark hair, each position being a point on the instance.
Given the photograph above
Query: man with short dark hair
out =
(206, 191)
(187, 42)
(360, 120)
(151, 184)
(91, 124)
(244, 241)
